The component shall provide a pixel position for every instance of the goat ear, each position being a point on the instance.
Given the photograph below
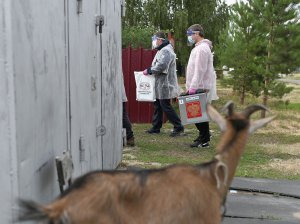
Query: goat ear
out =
(215, 116)
(254, 125)
(221, 172)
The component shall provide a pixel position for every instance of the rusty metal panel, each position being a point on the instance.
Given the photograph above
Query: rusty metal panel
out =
(110, 78)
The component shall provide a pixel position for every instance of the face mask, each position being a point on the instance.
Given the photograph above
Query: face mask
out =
(154, 44)
(190, 40)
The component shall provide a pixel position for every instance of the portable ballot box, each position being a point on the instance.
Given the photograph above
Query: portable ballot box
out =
(193, 108)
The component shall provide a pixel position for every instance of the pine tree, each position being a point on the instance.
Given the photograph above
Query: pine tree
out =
(235, 50)
(263, 41)
(277, 45)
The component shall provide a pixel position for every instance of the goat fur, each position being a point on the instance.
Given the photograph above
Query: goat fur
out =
(176, 194)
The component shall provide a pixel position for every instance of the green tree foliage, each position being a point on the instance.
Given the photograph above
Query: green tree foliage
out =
(137, 37)
(262, 41)
(211, 14)
(235, 50)
(175, 16)
(134, 14)
(276, 21)
(158, 14)
(180, 22)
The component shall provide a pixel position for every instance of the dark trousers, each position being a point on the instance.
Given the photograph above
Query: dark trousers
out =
(204, 135)
(161, 106)
(127, 123)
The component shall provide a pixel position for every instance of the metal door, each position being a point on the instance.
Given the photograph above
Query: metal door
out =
(84, 85)
(110, 118)
(40, 82)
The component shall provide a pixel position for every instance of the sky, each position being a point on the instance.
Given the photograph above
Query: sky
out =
(229, 2)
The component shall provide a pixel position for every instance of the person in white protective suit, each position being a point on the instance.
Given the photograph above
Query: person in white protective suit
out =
(166, 85)
(200, 76)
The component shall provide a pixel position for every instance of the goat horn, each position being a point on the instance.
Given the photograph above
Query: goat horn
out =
(253, 108)
(228, 108)
(254, 125)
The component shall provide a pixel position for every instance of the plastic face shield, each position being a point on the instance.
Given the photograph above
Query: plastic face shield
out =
(154, 38)
(154, 41)
(189, 33)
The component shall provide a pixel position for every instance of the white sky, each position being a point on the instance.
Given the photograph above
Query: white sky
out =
(229, 2)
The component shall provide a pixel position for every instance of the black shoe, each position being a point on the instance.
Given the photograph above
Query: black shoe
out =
(198, 139)
(198, 144)
(130, 142)
(176, 133)
(153, 131)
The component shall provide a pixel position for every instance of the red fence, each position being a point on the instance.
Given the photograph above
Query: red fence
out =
(136, 60)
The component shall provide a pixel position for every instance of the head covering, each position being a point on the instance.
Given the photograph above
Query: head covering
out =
(195, 28)
(160, 35)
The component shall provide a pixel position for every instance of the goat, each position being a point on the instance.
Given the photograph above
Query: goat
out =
(175, 194)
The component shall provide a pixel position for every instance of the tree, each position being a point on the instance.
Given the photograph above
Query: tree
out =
(276, 21)
(260, 46)
(158, 14)
(180, 24)
(176, 16)
(137, 37)
(235, 50)
(134, 14)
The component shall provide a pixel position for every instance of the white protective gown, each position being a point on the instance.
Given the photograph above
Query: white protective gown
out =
(200, 73)
(164, 69)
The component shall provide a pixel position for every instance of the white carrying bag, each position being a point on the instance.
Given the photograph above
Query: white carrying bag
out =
(145, 87)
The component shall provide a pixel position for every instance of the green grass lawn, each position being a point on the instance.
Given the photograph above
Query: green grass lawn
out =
(271, 152)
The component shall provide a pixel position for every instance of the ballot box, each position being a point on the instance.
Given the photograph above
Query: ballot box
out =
(193, 108)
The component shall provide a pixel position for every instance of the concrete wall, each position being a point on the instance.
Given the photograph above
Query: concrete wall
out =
(60, 84)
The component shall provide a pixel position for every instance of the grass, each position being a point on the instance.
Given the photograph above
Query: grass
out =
(272, 152)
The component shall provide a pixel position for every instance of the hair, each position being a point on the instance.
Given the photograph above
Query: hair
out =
(133, 196)
(161, 34)
(197, 27)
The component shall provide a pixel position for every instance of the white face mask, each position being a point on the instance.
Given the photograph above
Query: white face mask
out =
(191, 40)
(154, 44)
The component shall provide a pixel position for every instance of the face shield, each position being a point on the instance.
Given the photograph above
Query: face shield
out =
(154, 41)
(190, 40)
